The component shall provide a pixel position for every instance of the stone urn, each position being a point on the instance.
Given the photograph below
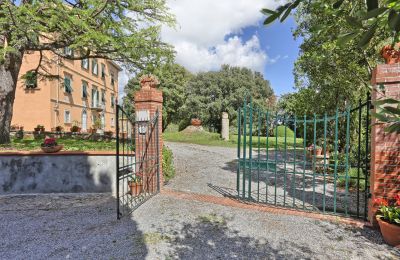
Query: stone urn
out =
(391, 55)
(195, 122)
(148, 81)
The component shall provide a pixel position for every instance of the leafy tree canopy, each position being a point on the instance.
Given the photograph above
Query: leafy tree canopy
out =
(211, 93)
(173, 79)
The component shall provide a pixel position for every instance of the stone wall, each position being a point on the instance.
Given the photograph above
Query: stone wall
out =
(57, 173)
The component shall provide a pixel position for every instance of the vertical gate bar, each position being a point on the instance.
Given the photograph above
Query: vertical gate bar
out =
(305, 159)
(366, 192)
(276, 150)
(314, 160)
(285, 159)
(336, 160)
(238, 153)
(250, 147)
(258, 170)
(359, 156)
(294, 162)
(325, 130)
(123, 160)
(347, 159)
(244, 147)
(158, 150)
(117, 162)
(267, 157)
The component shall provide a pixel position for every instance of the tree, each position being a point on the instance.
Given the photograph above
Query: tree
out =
(120, 30)
(211, 93)
(363, 26)
(173, 79)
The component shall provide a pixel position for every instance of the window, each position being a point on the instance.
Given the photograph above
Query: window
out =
(68, 52)
(94, 97)
(103, 97)
(67, 117)
(85, 64)
(68, 84)
(103, 71)
(112, 100)
(112, 79)
(84, 90)
(103, 121)
(112, 122)
(95, 69)
(30, 79)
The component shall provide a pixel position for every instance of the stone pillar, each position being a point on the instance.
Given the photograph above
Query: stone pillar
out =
(225, 126)
(385, 147)
(147, 101)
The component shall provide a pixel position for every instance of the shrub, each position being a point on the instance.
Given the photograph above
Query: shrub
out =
(168, 164)
(341, 182)
(281, 131)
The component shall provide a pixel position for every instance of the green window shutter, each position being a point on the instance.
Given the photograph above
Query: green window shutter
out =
(67, 85)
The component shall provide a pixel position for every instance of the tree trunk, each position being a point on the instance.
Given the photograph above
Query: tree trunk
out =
(9, 70)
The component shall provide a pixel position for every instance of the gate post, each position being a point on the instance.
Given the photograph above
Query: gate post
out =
(147, 101)
(225, 126)
(385, 147)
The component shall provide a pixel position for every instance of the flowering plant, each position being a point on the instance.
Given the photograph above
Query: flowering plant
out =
(137, 178)
(389, 210)
(49, 142)
(312, 147)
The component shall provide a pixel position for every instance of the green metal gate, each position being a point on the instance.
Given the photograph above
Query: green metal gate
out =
(319, 163)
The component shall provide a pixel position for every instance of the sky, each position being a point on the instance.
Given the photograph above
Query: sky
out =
(210, 33)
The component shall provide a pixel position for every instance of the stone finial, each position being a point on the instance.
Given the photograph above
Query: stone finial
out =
(390, 54)
(148, 81)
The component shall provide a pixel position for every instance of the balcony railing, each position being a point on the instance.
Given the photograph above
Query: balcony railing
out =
(98, 107)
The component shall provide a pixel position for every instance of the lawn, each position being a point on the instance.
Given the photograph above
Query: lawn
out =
(30, 144)
(214, 139)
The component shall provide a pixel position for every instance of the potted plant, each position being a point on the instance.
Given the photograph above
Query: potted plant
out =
(75, 127)
(50, 145)
(195, 122)
(20, 133)
(39, 128)
(59, 128)
(98, 126)
(389, 220)
(135, 185)
(316, 148)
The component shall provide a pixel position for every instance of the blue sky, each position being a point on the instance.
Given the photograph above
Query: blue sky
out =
(278, 42)
(210, 33)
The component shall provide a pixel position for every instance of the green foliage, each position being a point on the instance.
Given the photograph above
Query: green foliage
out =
(209, 94)
(173, 79)
(168, 164)
(389, 113)
(352, 179)
(281, 131)
(90, 28)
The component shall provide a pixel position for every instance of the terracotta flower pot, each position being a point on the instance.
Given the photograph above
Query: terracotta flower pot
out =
(135, 188)
(52, 149)
(195, 122)
(390, 232)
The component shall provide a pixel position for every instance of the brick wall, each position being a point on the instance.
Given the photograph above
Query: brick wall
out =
(150, 99)
(385, 147)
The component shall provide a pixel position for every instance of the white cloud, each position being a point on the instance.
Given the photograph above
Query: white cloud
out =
(203, 26)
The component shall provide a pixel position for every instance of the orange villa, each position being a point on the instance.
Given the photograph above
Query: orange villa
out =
(84, 93)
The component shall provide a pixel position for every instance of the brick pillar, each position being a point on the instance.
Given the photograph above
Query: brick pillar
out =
(385, 147)
(147, 101)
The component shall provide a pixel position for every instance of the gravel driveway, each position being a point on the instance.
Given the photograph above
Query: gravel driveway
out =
(84, 226)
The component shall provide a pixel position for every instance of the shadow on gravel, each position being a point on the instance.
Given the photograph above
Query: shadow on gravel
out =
(210, 238)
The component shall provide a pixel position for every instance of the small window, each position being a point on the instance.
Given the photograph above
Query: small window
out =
(95, 69)
(103, 71)
(112, 100)
(85, 64)
(68, 84)
(112, 122)
(67, 117)
(30, 79)
(112, 79)
(84, 90)
(68, 52)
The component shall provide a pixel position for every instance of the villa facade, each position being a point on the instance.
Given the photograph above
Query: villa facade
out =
(83, 94)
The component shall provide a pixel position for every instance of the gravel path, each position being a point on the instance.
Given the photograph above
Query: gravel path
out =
(84, 226)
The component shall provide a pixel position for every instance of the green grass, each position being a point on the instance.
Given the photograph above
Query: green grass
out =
(214, 139)
(30, 144)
